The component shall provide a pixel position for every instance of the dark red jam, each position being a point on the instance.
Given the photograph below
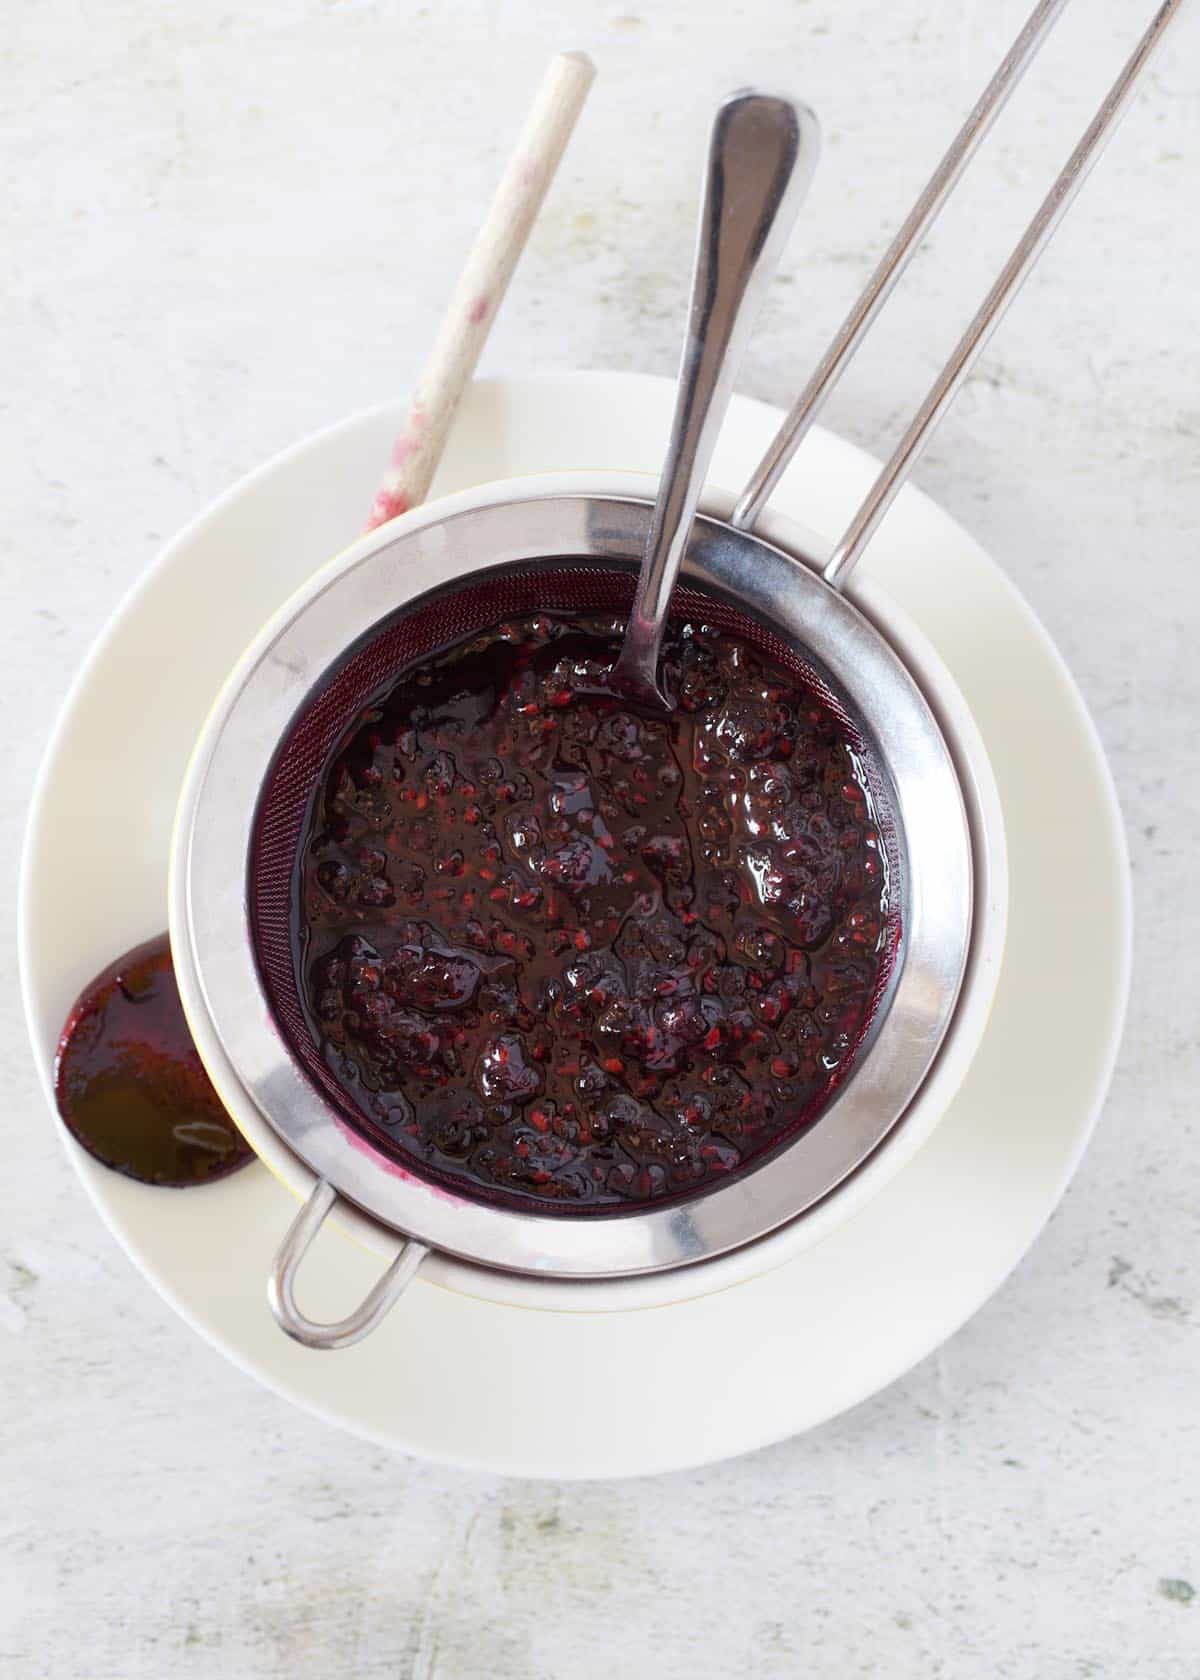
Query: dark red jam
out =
(130, 1084)
(557, 950)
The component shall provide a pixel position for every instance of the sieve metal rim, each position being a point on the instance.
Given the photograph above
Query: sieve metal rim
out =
(443, 544)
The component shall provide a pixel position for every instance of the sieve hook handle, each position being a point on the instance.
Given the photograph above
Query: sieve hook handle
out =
(367, 1315)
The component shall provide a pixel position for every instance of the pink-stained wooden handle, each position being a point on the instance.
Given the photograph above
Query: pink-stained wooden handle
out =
(482, 284)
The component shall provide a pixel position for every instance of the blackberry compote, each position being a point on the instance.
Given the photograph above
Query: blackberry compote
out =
(564, 955)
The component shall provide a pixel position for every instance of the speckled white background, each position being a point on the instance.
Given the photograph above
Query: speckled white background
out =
(227, 226)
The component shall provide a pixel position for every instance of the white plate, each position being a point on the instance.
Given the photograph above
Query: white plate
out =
(493, 1386)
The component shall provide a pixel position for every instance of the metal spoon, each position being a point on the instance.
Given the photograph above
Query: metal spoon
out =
(761, 157)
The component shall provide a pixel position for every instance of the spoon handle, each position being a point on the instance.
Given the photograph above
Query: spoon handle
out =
(761, 156)
(482, 285)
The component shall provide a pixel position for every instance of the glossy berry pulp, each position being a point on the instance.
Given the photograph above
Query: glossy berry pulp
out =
(565, 955)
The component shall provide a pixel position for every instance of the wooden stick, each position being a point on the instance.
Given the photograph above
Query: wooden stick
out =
(482, 284)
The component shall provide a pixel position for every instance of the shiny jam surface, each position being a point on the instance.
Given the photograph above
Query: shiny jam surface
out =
(130, 1084)
(561, 953)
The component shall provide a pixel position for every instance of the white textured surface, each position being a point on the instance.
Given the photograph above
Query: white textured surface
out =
(226, 228)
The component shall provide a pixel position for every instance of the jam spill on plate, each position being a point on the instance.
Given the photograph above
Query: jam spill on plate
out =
(556, 950)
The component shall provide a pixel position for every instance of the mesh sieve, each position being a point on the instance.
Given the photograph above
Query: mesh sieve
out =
(373, 666)
(441, 575)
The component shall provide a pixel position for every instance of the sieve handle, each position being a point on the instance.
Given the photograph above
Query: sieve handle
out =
(282, 1281)
(1008, 283)
(893, 263)
(1016, 270)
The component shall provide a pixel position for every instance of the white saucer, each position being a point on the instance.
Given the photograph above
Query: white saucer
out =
(496, 1387)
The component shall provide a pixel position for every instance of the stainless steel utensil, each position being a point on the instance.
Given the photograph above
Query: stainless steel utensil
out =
(761, 158)
(539, 542)
(990, 312)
